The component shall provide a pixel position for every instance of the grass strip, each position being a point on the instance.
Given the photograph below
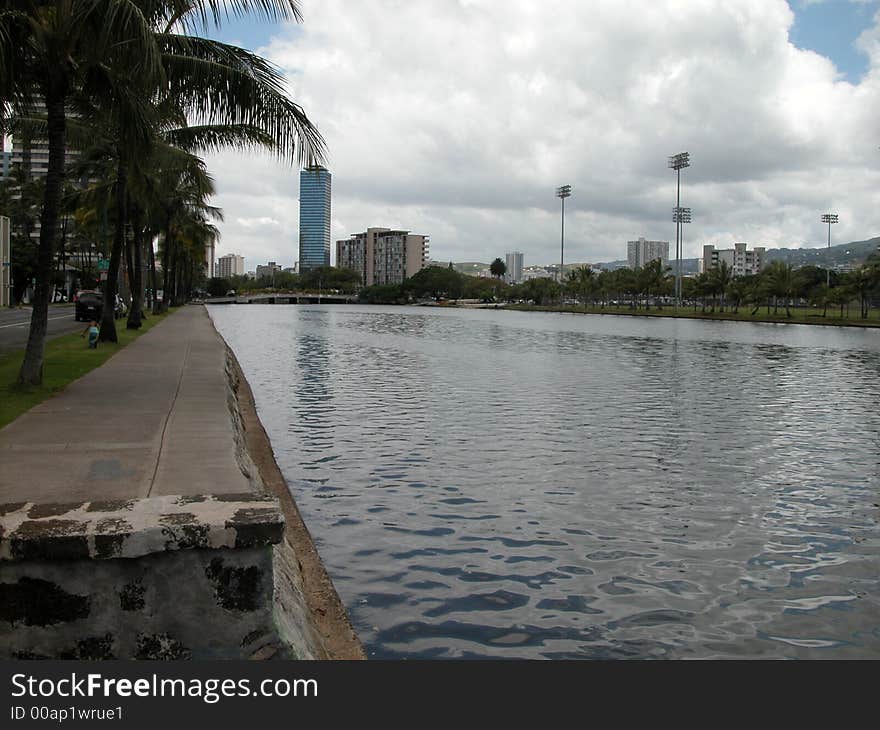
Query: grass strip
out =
(65, 359)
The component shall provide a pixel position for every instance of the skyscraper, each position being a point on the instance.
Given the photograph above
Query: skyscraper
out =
(314, 217)
(514, 263)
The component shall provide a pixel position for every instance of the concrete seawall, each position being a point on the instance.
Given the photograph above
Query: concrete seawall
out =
(142, 515)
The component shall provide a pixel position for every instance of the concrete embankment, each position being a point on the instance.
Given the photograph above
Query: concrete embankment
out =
(143, 516)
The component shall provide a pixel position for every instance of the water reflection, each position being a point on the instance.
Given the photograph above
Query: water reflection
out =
(488, 483)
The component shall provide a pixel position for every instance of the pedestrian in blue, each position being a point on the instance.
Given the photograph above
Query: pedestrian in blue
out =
(93, 333)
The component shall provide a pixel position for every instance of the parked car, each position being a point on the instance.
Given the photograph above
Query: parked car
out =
(89, 305)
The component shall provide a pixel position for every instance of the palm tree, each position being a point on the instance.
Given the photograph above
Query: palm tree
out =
(117, 54)
(781, 283)
(47, 51)
(738, 292)
(652, 279)
(863, 282)
(497, 268)
(720, 277)
(582, 280)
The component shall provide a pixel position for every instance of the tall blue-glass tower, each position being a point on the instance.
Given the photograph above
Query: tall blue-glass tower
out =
(314, 217)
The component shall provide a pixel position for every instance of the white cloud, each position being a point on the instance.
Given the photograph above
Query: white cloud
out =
(458, 119)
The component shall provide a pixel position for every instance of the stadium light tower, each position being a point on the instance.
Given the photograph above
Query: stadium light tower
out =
(680, 215)
(829, 218)
(677, 162)
(562, 192)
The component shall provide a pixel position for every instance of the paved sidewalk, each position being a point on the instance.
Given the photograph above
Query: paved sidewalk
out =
(152, 421)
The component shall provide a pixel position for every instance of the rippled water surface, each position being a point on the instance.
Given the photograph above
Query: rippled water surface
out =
(502, 484)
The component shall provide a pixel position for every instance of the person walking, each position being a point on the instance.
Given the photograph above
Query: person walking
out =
(93, 332)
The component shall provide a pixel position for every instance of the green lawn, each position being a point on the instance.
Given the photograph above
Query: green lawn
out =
(802, 315)
(66, 358)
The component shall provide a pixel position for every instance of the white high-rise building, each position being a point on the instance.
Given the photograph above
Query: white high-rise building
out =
(639, 253)
(514, 263)
(230, 265)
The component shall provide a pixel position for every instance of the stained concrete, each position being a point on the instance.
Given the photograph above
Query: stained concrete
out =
(134, 522)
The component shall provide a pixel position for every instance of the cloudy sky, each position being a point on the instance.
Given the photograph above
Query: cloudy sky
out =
(459, 118)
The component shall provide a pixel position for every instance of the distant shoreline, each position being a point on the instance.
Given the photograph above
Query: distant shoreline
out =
(799, 316)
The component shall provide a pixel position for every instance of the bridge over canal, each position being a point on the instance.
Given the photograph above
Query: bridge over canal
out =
(285, 298)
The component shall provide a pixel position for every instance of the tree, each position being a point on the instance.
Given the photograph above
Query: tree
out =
(498, 268)
(217, 286)
(48, 51)
(330, 277)
(581, 281)
(383, 294)
(781, 282)
(540, 291)
(720, 277)
(118, 54)
(651, 279)
(436, 282)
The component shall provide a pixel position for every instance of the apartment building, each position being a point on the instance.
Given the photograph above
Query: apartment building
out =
(639, 253)
(383, 255)
(739, 259)
(230, 265)
(267, 270)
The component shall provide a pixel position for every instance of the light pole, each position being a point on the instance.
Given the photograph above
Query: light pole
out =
(677, 162)
(562, 192)
(679, 215)
(829, 218)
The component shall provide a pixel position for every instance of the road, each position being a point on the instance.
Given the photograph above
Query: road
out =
(15, 323)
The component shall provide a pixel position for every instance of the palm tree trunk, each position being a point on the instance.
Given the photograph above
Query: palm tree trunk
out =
(135, 278)
(108, 324)
(31, 372)
(166, 267)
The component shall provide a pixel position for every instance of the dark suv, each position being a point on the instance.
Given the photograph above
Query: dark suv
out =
(89, 305)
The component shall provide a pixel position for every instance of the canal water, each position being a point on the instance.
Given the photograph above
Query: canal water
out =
(503, 484)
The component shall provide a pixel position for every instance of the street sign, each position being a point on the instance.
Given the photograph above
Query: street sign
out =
(103, 264)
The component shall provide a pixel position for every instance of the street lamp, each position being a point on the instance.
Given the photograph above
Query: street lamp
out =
(562, 192)
(829, 218)
(677, 162)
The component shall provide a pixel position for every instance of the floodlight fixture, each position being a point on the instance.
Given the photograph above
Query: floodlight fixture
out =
(829, 218)
(679, 161)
